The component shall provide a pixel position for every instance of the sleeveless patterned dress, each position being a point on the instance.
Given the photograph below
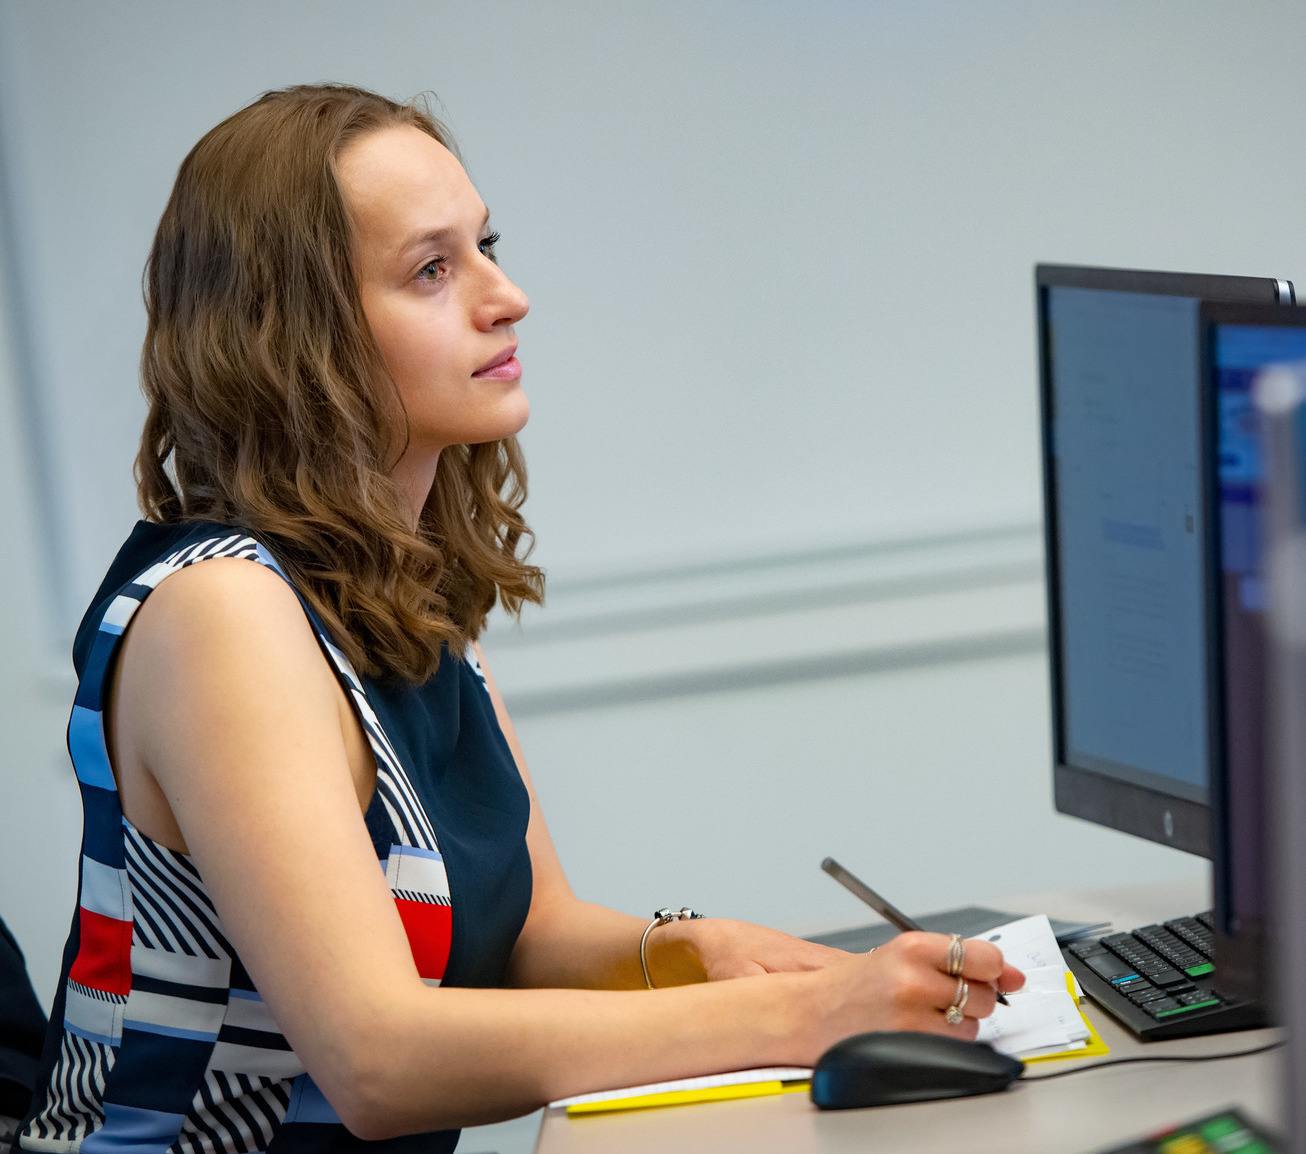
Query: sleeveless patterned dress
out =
(159, 1041)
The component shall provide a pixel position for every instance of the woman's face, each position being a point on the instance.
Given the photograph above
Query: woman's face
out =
(438, 305)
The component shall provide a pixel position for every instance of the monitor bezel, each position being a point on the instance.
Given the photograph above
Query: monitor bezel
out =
(1077, 790)
(1245, 950)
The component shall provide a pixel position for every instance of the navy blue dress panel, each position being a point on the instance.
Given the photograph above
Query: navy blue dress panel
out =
(475, 796)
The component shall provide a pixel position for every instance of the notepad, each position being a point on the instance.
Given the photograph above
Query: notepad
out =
(1042, 1023)
(1044, 1019)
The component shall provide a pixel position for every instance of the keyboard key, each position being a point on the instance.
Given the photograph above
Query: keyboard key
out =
(1131, 949)
(1188, 1009)
(1148, 996)
(1162, 1007)
(1146, 962)
(1194, 933)
(1171, 947)
(1199, 998)
(1110, 968)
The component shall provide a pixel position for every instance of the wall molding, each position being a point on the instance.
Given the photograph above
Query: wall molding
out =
(729, 625)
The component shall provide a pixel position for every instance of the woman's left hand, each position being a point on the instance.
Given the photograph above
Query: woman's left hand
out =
(726, 948)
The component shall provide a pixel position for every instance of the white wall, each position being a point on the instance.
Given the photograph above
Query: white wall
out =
(780, 263)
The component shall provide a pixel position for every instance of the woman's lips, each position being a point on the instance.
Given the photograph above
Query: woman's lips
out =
(509, 370)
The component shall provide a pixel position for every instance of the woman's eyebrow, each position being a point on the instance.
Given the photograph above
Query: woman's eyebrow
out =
(433, 234)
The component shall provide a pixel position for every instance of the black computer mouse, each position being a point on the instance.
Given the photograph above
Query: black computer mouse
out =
(883, 1069)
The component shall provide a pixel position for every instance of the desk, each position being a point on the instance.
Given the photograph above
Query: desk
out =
(1078, 1115)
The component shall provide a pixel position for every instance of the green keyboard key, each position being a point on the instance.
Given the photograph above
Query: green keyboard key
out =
(1198, 971)
(1186, 1009)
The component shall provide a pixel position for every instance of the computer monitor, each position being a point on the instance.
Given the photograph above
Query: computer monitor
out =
(1245, 351)
(1281, 403)
(1128, 630)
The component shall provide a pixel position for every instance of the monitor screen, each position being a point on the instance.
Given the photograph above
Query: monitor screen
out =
(1238, 354)
(1129, 620)
(1125, 438)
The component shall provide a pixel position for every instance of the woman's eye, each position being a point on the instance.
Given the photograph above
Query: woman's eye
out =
(486, 246)
(436, 263)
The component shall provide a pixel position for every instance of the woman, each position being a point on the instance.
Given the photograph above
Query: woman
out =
(333, 397)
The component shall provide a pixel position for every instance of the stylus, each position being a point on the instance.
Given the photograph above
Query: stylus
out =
(882, 906)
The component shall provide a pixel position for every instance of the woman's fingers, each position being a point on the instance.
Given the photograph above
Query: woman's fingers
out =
(982, 961)
(984, 964)
(913, 978)
(1012, 979)
(933, 1020)
(982, 968)
(979, 997)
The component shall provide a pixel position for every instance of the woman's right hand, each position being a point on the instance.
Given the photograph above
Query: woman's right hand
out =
(905, 985)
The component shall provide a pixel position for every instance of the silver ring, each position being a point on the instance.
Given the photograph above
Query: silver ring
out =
(956, 956)
(953, 1015)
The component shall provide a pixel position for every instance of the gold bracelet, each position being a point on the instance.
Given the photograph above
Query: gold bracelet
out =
(661, 918)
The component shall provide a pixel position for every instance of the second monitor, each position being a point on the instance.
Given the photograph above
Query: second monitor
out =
(1123, 514)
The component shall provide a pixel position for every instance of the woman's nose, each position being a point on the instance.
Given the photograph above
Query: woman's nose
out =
(504, 302)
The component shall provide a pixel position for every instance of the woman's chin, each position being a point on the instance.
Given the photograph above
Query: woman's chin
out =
(516, 413)
(508, 419)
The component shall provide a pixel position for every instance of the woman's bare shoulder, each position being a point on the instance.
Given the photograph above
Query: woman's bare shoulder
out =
(222, 591)
(223, 610)
(221, 634)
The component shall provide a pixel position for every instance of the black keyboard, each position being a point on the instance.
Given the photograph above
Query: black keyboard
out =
(1160, 981)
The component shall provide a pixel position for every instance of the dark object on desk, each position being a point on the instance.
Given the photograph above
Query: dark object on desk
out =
(969, 921)
(1228, 1132)
(885, 1069)
(22, 1030)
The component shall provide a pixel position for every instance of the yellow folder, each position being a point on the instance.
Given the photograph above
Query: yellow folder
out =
(685, 1097)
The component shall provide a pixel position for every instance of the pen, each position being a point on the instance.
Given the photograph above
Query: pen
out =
(882, 906)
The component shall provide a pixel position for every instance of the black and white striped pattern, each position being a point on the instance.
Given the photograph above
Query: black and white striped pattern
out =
(236, 545)
(392, 784)
(98, 995)
(420, 896)
(171, 909)
(233, 1114)
(73, 1108)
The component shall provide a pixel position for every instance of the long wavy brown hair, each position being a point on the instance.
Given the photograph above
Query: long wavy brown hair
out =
(270, 407)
